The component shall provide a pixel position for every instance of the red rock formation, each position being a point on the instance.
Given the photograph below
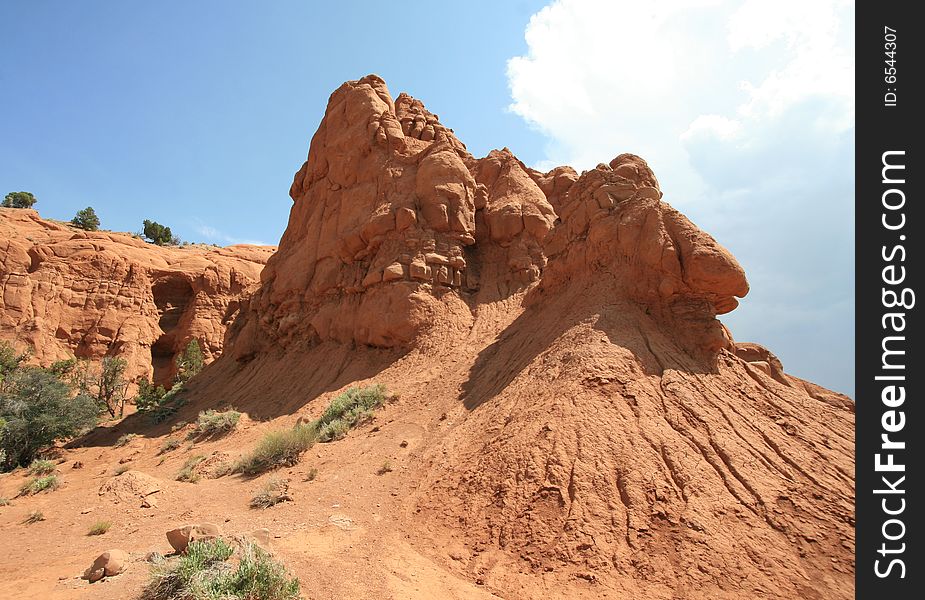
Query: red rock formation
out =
(612, 429)
(605, 424)
(67, 292)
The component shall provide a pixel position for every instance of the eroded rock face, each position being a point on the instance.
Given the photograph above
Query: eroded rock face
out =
(588, 418)
(396, 230)
(67, 292)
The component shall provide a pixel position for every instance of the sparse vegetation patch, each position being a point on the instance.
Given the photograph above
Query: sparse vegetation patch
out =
(208, 571)
(278, 449)
(272, 493)
(125, 439)
(170, 446)
(213, 423)
(283, 448)
(99, 528)
(41, 467)
(46, 483)
(188, 473)
(349, 409)
(34, 517)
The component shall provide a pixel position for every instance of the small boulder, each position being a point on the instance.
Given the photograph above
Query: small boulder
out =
(181, 537)
(261, 537)
(107, 564)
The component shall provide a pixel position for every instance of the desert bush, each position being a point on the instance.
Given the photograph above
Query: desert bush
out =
(4, 501)
(349, 409)
(10, 361)
(188, 473)
(39, 484)
(204, 573)
(211, 423)
(111, 386)
(121, 469)
(159, 404)
(272, 493)
(99, 528)
(125, 439)
(37, 409)
(41, 467)
(386, 467)
(278, 449)
(311, 474)
(333, 431)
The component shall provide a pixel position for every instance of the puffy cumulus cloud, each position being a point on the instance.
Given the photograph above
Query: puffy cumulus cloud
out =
(745, 109)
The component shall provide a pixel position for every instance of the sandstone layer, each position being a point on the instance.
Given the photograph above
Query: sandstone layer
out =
(67, 292)
(587, 418)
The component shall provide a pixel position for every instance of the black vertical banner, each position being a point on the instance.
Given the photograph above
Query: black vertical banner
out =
(890, 369)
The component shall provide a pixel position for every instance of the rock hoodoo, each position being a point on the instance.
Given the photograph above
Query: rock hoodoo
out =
(397, 229)
(597, 423)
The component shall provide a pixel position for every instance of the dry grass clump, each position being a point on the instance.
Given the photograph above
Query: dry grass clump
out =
(188, 473)
(40, 484)
(99, 528)
(207, 572)
(41, 467)
(124, 440)
(283, 448)
(278, 449)
(213, 423)
(272, 493)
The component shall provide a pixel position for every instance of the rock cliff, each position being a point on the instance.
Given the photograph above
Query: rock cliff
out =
(67, 292)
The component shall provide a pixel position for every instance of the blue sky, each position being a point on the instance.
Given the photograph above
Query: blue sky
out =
(197, 115)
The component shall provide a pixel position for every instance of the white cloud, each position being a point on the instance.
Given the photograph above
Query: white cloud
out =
(213, 235)
(745, 109)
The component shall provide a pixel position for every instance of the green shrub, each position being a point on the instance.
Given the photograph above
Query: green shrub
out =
(125, 439)
(204, 573)
(278, 449)
(386, 467)
(188, 473)
(333, 431)
(99, 528)
(283, 448)
(10, 361)
(41, 467)
(212, 423)
(40, 484)
(86, 219)
(190, 362)
(311, 474)
(121, 469)
(4, 501)
(349, 409)
(159, 404)
(272, 493)
(38, 409)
